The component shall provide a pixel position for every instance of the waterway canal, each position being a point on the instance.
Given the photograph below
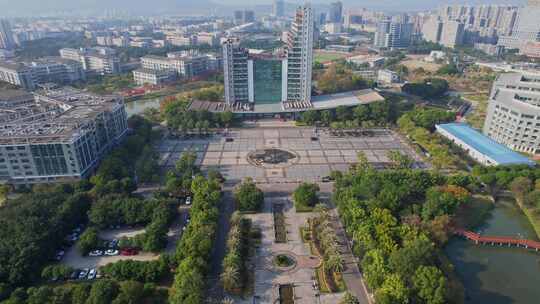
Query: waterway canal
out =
(495, 275)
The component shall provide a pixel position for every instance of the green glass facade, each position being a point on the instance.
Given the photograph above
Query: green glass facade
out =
(267, 81)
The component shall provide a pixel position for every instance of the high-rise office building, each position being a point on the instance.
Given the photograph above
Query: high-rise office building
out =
(6, 35)
(278, 8)
(268, 78)
(244, 16)
(300, 56)
(432, 30)
(336, 12)
(513, 115)
(526, 27)
(393, 35)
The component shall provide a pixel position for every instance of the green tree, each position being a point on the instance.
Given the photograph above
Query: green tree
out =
(400, 160)
(521, 186)
(226, 118)
(374, 268)
(131, 292)
(392, 291)
(39, 295)
(430, 285)
(305, 196)
(89, 241)
(327, 117)
(102, 292)
(80, 293)
(248, 196)
(310, 117)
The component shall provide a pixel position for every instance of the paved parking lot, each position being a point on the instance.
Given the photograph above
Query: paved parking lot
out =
(318, 152)
(74, 258)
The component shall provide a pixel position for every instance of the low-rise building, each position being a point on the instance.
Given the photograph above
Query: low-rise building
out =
(60, 137)
(18, 74)
(530, 49)
(490, 49)
(175, 65)
(28, 75)
(371, 61)
(435, 56)
(154, 77)
(388, 77)
(340, 48)
(481, 148)
(367, 74)
(97, 60)
(182, 40)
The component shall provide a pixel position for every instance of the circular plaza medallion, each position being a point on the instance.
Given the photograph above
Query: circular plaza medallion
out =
(272, 158)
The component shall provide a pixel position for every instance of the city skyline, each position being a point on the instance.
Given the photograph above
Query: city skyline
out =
(36, 7)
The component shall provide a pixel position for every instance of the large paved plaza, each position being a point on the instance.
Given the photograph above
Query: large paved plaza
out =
(317, 152)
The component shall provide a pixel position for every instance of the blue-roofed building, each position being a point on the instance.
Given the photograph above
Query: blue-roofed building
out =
(480, 147)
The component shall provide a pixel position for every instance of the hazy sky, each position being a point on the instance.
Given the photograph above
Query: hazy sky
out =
(10, 7)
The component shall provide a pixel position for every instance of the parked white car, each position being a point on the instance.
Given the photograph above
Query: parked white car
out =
(111, 252)
(83, 274)
(95, 253)
(91, 274)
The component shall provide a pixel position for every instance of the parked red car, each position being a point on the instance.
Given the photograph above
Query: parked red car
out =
(129, 251)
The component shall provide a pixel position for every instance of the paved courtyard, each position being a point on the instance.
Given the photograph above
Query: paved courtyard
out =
(268, 277)
(318, 153)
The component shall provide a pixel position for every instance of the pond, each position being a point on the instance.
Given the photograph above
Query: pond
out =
(499, 275)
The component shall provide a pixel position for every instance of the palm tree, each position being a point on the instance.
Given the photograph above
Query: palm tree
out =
(348, 299)
(335, 263)
(235, 218)
(227, 301)
(320, 209)
(230, 278)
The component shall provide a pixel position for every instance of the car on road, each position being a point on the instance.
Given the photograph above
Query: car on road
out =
(91, 274)
(59, 255)
(113, 244)
(111, 252)
(83, 274)
(95, 253)
(129, 251)
(75, 274)
(188, 200)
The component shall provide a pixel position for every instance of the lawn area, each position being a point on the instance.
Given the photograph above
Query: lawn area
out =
(413, 64)
(480, 102)
(323, 56)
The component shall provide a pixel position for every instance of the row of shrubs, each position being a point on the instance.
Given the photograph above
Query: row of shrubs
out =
(235, 271)
(193, 252)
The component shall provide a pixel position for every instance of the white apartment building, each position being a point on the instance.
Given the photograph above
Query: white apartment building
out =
(513, 116)
(61, 137)
(157, 70)
(28, 75)
(98, 60)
